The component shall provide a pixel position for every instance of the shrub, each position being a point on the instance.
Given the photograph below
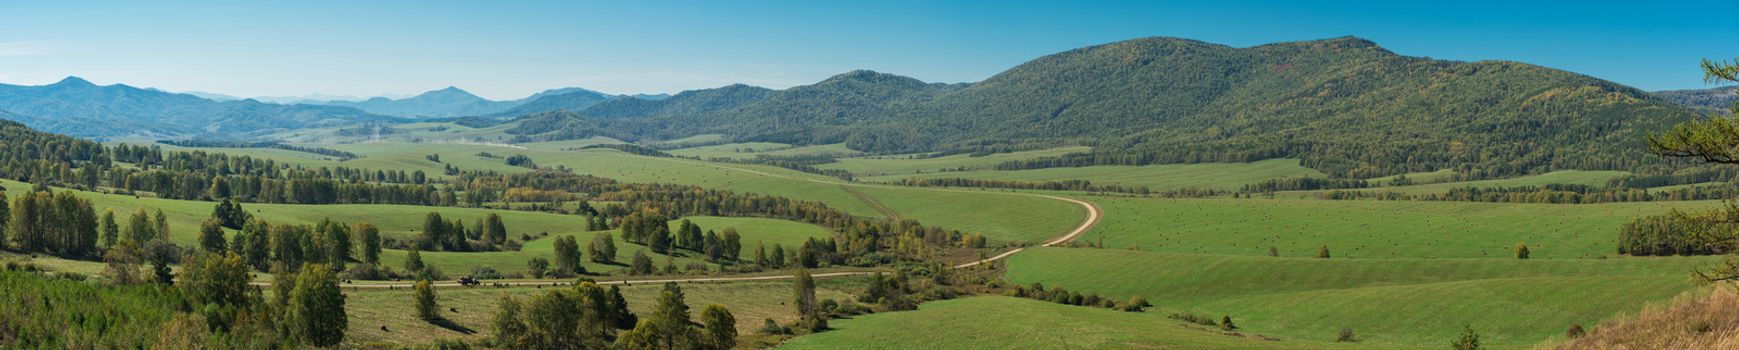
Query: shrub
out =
(1322, 253)
(1575, 331)
(1521, 250)
(1469, 339)
(1346, 335)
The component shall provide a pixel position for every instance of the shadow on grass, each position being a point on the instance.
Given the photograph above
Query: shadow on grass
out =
(443, 322)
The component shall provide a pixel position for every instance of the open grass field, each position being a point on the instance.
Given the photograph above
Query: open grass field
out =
(749, 302)
(998, 322)
(1219, 176)
(1368, 228)
(750, 150)
(1580, 177)
(1033, 217)
(909, 164)
(1399, 303)
(998, 215)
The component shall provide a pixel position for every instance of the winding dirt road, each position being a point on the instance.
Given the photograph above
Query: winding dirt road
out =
(1093, 217)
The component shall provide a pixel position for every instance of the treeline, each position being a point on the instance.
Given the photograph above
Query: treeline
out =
(1065, 185)
(1303, 184)
(1681, 233)
(1547, 194)
(631, 149)
(342, 155)
(802, 164)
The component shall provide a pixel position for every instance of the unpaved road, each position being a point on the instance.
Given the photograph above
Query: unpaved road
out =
(1093, 217)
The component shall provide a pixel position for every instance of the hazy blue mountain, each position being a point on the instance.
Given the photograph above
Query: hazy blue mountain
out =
(572, 99)
(448, 102)
(1720, 98)
(653, 97)
(77, 107)
(845, 99)
(210, 95)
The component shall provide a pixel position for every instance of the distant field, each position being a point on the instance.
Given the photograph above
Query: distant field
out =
(729, 150)
(1580, 177)
(1368, 228)
(1429, 176)
(748, 150)
(999, 216)
(884, 165)
(1219, 176)
(1388, 303)
(750, 302)
(998, 322)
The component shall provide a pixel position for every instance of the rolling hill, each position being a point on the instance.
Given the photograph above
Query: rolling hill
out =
(1344, 106)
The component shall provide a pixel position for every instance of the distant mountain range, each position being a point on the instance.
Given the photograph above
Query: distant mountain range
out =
(1720, 98)
(77, 107)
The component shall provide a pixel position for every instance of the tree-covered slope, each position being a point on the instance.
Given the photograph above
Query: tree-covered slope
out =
(1345, 106)
(804, 114)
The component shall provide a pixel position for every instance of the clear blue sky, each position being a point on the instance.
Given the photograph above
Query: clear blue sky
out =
(502, 49)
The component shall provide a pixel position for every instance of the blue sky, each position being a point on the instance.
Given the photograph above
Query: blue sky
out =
(503, 49)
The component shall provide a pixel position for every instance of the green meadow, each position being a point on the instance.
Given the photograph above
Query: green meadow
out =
(1218, 176)
(1390, 302)
(918, 163)
(1368, 228)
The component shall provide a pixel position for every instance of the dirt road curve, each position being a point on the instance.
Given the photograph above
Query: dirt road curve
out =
(1093, 217)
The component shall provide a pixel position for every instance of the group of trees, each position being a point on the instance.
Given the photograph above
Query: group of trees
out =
(329, 243)
(341, 155)
(1065, 185)
(589, 316)
(490, 233)
(60, 224)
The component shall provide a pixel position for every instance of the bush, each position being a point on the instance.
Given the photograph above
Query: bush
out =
(771, 327)
(1346, 335)
(1469, 340)
(485, 272)
(1521, 250)
(1194, 318)
(1575, 331)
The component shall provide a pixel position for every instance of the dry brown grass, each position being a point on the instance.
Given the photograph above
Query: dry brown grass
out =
(1704, 321)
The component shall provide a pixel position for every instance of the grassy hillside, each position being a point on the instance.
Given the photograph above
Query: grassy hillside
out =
(1369, 229)
(996, 322)
(907, 164)
(1219, 176)
(1388, 302)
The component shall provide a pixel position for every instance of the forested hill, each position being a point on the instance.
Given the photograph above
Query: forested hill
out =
(798, 113)
(1345, 106)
